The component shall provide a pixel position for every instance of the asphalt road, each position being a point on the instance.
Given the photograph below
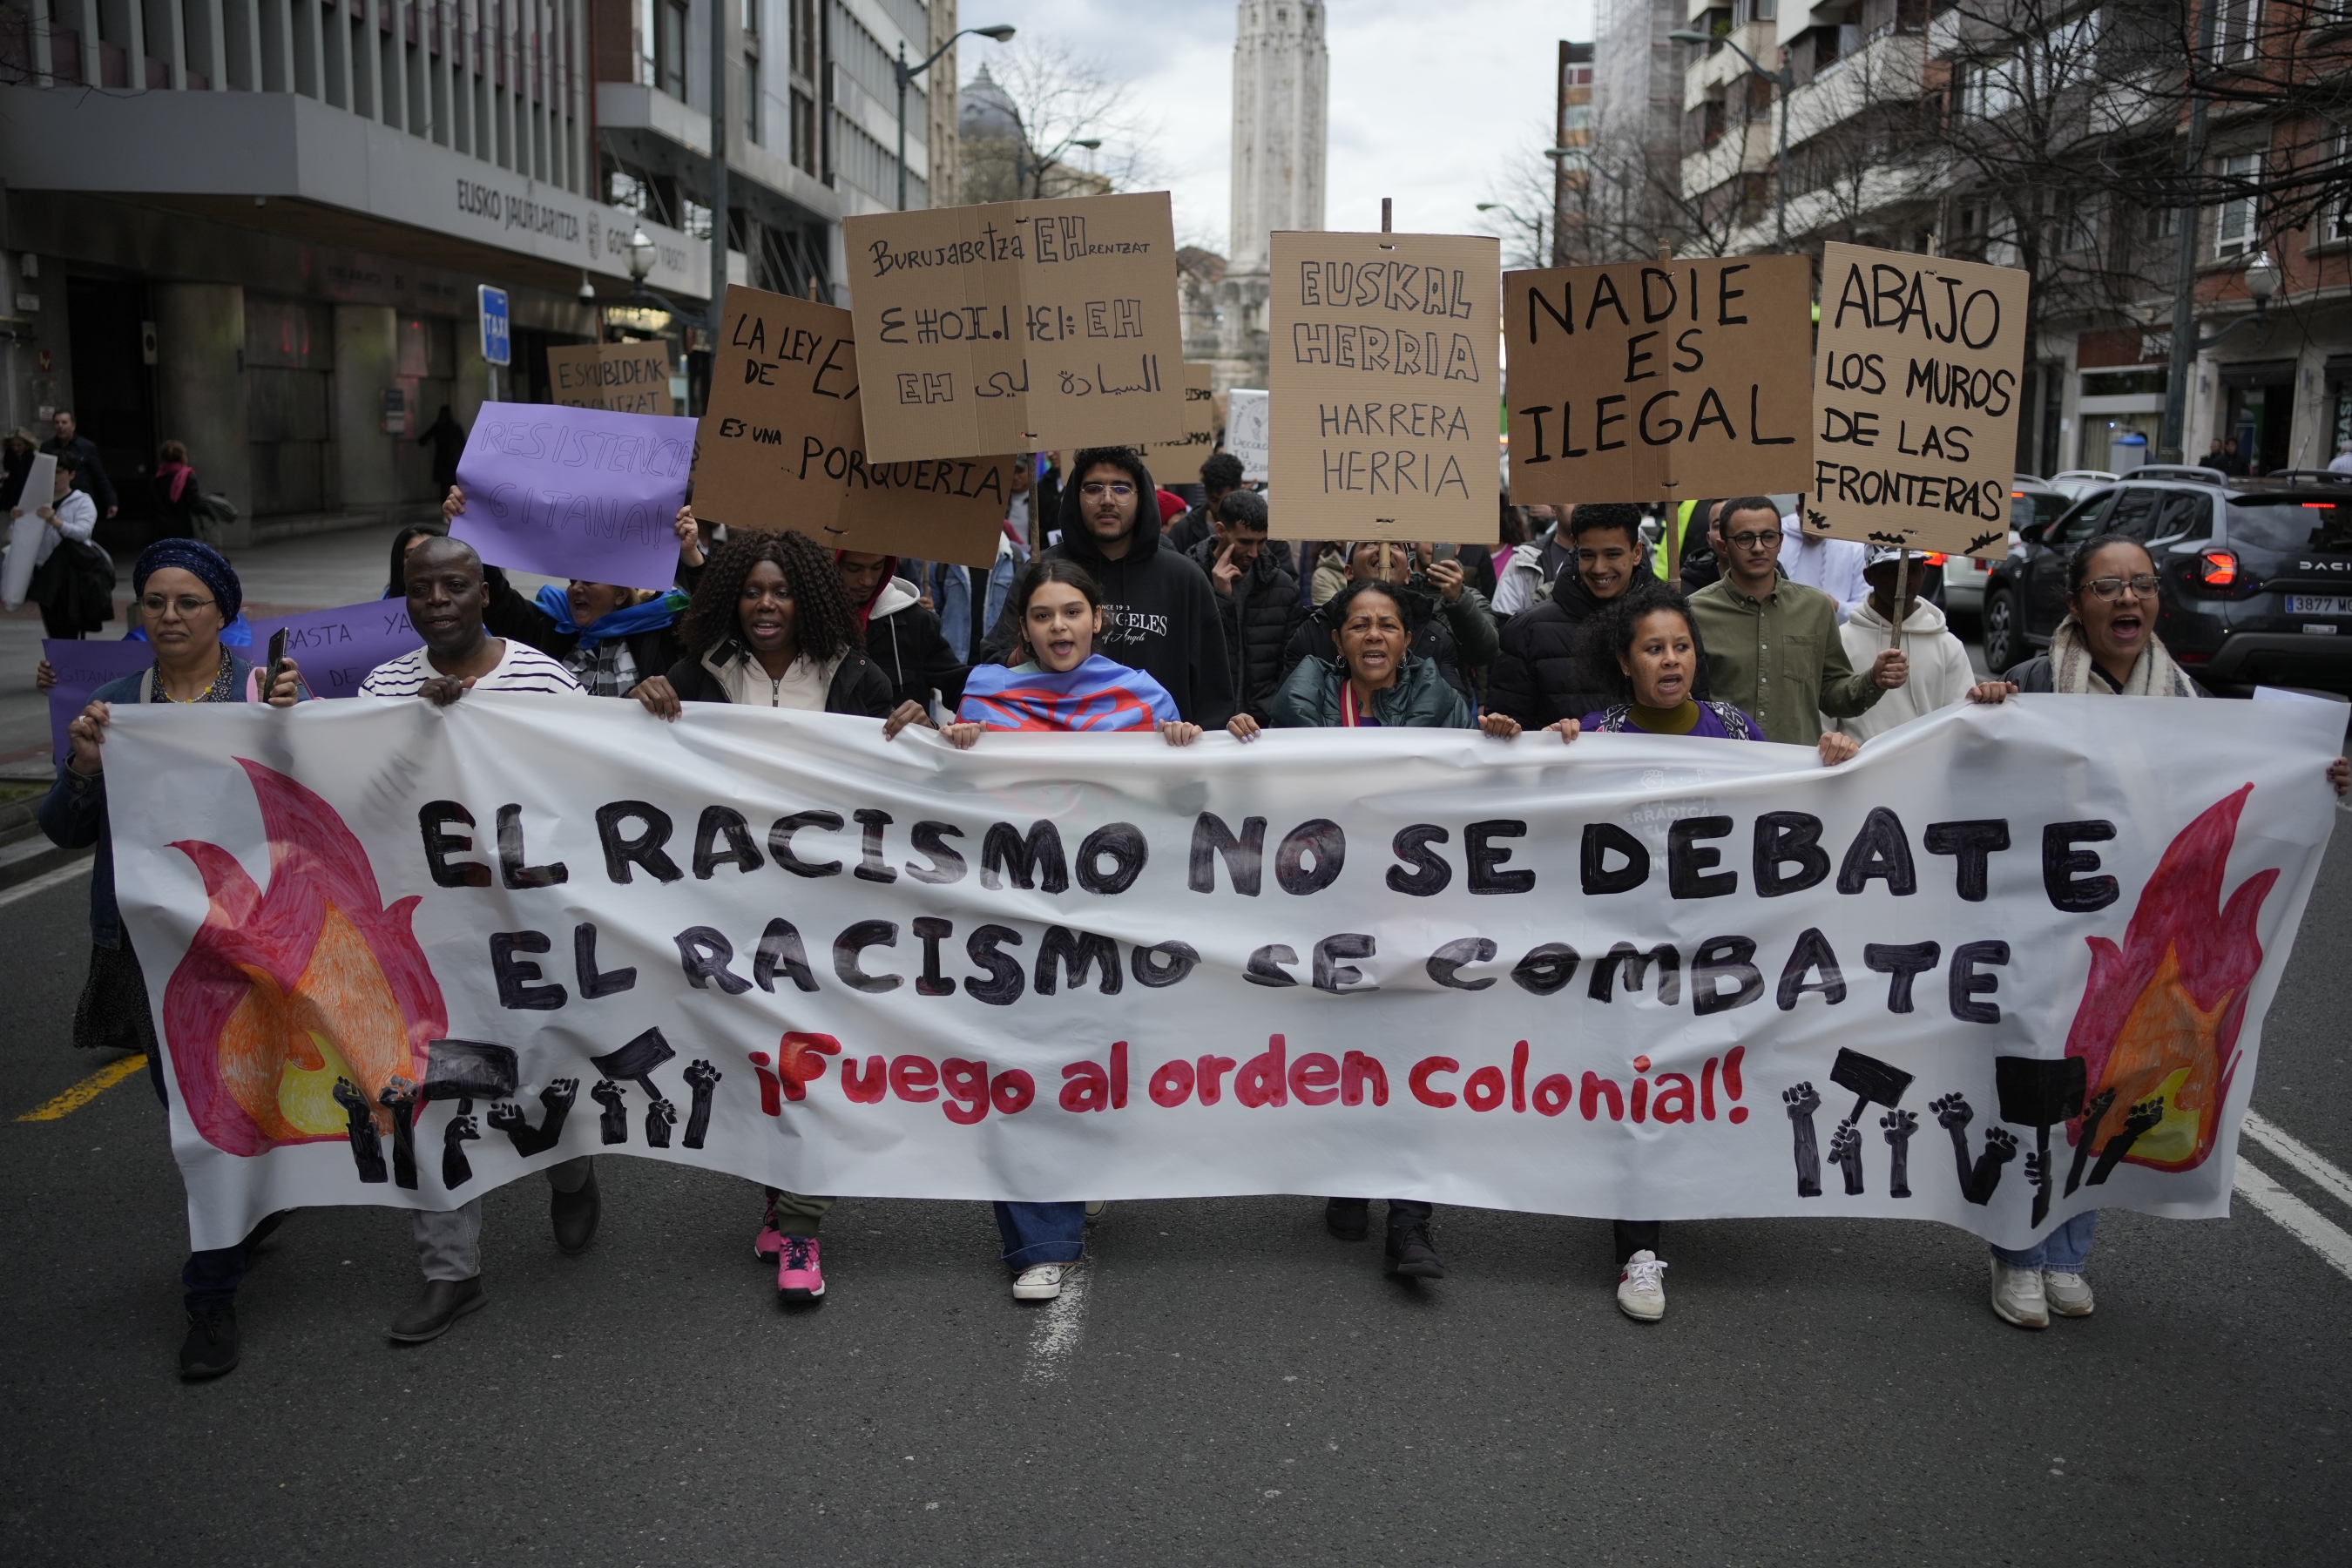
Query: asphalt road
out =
(1232, 1386)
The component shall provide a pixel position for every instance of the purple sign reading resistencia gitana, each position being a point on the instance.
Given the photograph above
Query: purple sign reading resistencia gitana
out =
(576, 492)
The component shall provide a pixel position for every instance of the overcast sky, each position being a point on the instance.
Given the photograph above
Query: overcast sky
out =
(1429, 103)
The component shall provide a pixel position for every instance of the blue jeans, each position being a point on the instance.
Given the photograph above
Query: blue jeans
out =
(1042, 1233)
(2064, 1251)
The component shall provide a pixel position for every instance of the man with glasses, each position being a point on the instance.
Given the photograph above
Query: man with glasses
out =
(1772, 646)
(1160, 615)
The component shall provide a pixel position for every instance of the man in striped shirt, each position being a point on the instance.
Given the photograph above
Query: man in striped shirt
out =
(447, 597)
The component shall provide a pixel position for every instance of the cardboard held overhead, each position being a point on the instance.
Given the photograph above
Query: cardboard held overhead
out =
(1183, 459)
(1246, 422)
(629, 378)
(1916, 394)
(1384, 385)
(1018, 326)
(783, 445)
(1662, 380)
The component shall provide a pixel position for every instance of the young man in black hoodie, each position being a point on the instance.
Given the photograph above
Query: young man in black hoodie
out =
(1542, 676)
(1160, 615)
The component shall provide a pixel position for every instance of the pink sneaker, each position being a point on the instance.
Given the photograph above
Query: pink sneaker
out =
(770, 1241)
(799, 1276)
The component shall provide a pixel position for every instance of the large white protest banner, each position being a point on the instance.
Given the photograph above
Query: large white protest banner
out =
(2010, 965)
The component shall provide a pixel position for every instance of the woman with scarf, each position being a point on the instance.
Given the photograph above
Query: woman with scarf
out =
(185, 593)
(771, 626)
(1052, 681)
(902, 635)
(170, 492)
(2106, 646)
(610, 636)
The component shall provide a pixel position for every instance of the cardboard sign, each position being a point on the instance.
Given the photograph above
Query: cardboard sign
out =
(630, 378)
(1659, 380)
(783, 445)
(1184, 459)
(1247, 426)
(25, 532)
(1017, 327)
(334, 650)
(1915, 396)
(575, 492)
(82, 668)
(1385, 385)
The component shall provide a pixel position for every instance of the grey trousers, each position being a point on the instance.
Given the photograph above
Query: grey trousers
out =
(449, 1241)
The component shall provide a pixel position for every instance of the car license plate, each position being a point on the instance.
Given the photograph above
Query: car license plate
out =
(2303, 605)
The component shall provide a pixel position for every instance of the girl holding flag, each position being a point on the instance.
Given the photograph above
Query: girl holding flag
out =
(1056, 681)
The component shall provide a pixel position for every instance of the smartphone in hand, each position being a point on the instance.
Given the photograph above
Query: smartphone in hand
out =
(277, 663)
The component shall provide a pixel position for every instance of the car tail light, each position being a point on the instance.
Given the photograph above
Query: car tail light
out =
(1934, 558)
(2217, 568)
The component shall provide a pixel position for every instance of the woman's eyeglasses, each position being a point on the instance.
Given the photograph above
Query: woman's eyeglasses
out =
(1095, 487)
(2106, 590)
(187, 603)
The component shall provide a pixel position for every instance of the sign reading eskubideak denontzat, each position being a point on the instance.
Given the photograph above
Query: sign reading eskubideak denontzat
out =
(1018, 327)
(1916, 400)
(1650, 379)
(1384, 383)
(783, 445)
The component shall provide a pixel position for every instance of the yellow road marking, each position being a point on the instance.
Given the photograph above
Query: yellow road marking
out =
(88, 1090)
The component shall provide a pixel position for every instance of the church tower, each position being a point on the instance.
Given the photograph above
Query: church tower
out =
(1282, 72)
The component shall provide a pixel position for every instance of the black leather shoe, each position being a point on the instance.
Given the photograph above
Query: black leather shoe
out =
(1412, 1256)
(211, 1347)
(443, 1302)
(575, 1214)
(1349, 1219)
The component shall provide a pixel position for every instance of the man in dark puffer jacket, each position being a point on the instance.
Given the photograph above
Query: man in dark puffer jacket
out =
(1256, 599)
(1541, 677)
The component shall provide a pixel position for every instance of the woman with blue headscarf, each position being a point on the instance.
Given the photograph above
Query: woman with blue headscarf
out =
(186, 594)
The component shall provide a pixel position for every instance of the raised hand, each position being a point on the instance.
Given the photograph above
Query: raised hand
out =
(455, 1172)
(615, 1120)
(1224, 574)
(660, 1117)
(702, 1078)
(399, 1097)
(367, 1143)
(2142, 1116)
(1899, 1126)
(2000, 1147)
(1800, 1102)
(1953, 1114)
(1845, 1152)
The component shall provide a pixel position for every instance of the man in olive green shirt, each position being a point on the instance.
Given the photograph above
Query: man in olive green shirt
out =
(1772, 646)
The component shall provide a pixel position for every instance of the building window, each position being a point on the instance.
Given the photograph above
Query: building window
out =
(755, 86)
(2233, 234)
(2237, 26)
(670, 48)
(804, 31)
(1745, 11)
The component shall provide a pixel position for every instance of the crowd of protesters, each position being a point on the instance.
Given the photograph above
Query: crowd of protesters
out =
(1111, 605)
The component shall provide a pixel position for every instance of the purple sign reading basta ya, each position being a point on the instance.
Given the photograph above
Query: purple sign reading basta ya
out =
(576, 492)
(334, 650)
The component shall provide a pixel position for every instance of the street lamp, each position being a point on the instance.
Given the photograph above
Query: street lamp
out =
(907, 73)
(642, 253)
(1785, 79)
(1513, 214)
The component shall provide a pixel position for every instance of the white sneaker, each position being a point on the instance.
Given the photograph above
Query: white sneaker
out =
(1641, 1290)
(1095, 1207)
(2069, 1295)
(1039, 1282)
(2017, 1296)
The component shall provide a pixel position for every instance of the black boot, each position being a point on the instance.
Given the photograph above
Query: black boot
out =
(211, 1347)
(1349, 1219)
(1412, 1255)
(443, 1302)
(575, 1214)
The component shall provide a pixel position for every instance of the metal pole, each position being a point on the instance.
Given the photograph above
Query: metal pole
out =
(718, 165)
(1780, 166)
(901, 74)
(2184, 289)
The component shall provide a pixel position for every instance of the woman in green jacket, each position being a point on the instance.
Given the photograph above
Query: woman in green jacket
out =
(1374, 683)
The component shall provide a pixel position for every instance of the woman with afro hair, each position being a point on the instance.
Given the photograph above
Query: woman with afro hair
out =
(771, 624)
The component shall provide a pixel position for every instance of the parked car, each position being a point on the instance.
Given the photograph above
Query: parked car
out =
(2074, 483)
(2254, 575)
(2031, 500)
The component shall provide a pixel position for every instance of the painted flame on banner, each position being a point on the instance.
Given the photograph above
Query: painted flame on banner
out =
(2160, 1014)
(284, 991)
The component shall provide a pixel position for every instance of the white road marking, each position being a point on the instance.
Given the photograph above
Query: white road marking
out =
(44, 882)
(2294, 1217)
(1061, 1324)
(2287, 1147)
